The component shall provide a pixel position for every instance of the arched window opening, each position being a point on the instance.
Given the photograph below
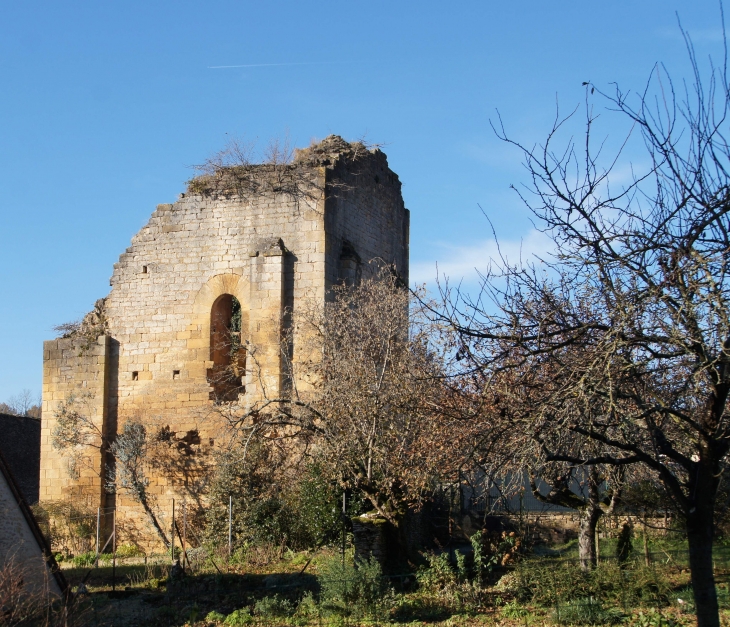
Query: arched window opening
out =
(227, 349)
(350, 265)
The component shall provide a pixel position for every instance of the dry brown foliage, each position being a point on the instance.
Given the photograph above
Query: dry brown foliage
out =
(619, 343)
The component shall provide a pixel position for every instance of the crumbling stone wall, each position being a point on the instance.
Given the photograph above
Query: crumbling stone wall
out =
(272, 237)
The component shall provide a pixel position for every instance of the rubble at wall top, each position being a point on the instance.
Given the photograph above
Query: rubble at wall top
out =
(227, 178)
(330, 150)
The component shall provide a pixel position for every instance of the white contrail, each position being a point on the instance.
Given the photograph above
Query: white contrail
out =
(222, 67)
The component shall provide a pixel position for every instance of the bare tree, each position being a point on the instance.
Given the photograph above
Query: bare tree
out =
(374, 386)
(124, 457)
(639, 290)
(389, 424)
(76, 434)
(367, 397)
(129, 452)
(522, 445)
(87, 329)
(22, 404)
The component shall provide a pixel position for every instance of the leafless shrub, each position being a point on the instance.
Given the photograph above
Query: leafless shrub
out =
(236, 153)
(129, 452)
(240, 170)
(68, 329)
(23, 604)
(76, 431)
(89, 328)
(278, 151)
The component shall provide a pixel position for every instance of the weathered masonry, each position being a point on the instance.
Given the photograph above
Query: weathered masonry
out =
(226, 263)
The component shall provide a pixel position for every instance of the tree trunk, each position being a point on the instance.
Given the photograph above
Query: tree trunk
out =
(699, 537)
(587, 525)
(155, 523)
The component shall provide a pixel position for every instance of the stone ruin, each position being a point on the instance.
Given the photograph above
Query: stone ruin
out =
(247, 243)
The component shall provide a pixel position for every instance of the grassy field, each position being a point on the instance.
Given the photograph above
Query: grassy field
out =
(315, 589)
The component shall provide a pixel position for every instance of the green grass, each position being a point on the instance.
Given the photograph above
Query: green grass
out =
(543, 591)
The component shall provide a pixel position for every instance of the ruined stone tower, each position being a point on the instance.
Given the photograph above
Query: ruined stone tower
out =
(249, 241)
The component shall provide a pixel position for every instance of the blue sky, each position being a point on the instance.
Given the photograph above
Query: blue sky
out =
(105, 105)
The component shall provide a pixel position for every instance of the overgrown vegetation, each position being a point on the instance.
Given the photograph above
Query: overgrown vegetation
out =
(241, 170)
(88, 330)
(68, 525)
(614, 351)
(270, 503)
(447, 590)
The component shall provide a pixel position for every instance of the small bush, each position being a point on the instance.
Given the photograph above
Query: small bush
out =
(215, 617)
(510, 582)
(129, 550)
(85, 559)
(273, 606)
(547, 582)
(299, 559)
(307, 608)
(238, 618)
(492, 551)
(514, 611)
(345, 588)
(455, 589)
(438, 575)
(462, 571)
(652, 618)
(155, 583)
(587, 611)
(723, 596)
(316, 508)
(193, 615)
(256, 554)
(197, 556)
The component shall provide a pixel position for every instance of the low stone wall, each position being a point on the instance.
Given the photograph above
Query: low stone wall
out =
(370, 536)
